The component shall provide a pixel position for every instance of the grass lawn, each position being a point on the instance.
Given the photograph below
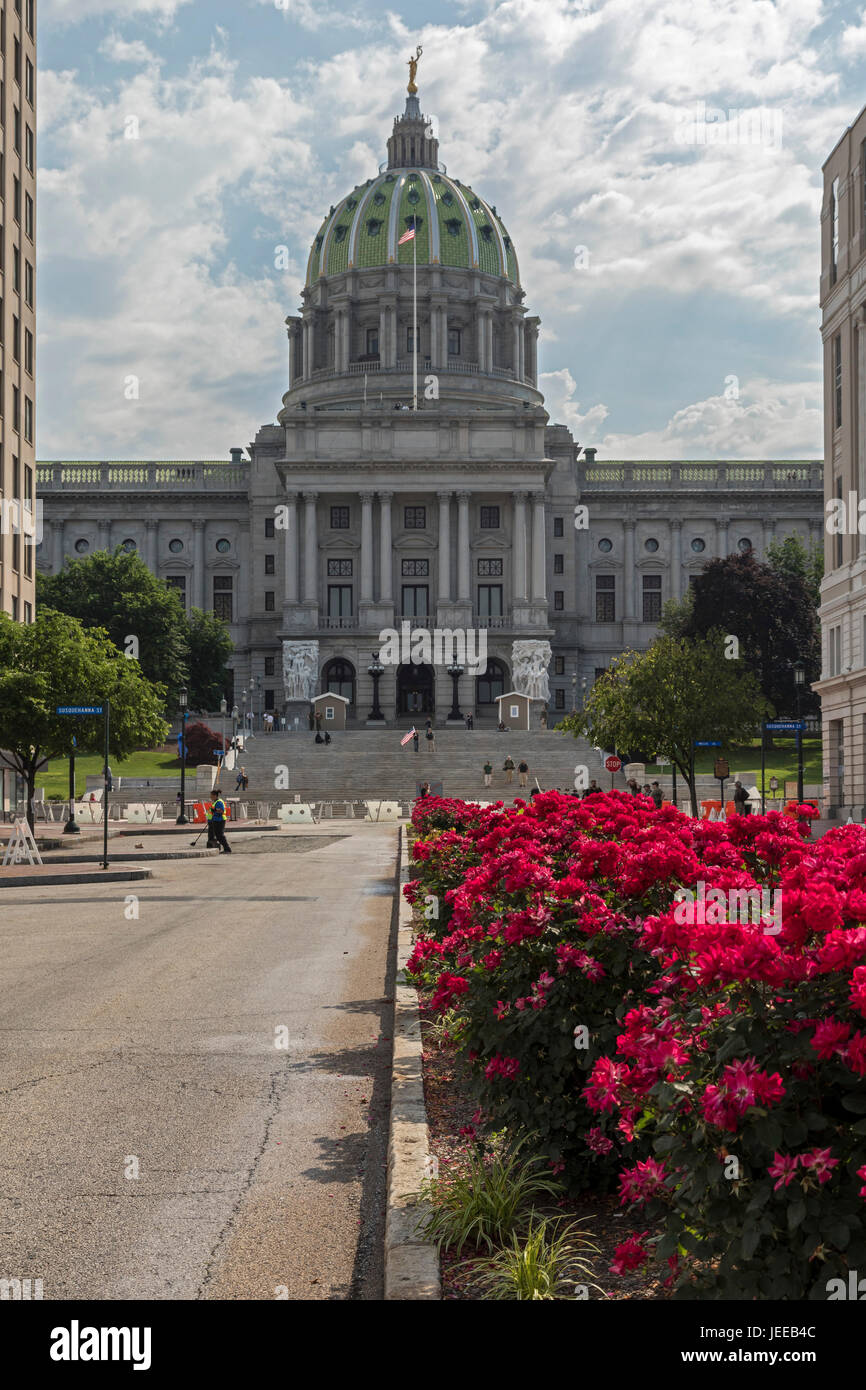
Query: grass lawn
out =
(146, 762)
(781, 761)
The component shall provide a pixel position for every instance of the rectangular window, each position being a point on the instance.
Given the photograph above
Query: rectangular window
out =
(270, 562)
(652, 598)
(269, 665)
(339, 601)
(490, 567)
(490, 518)
(339, 569)
(835, 652)
(559, 665)
(16, 337)
(414, 518)
(605, 598)
(453, 342)
(269, 698)
(222, 597)
(16, 129)
(417, 337)
(269, 600)
(178, 583)
(16, 408)
(28, 215)
(837, 538)
(557, 527)
(28, 283)
(559, 564)
(28, 351)
(28, 613)
(28, 80)
(16, 198)
(415, 600)
(490, 600)
(339, 518)
(411, 569)
(837, 381)
(28, 419)
(30, 17)
(269, 528)
(16, 269)
(834, 230)
(16, 60)
(559, 699)
(28, 148)
(558, 600)
(16, 550)
(372, 342)
(599, 672)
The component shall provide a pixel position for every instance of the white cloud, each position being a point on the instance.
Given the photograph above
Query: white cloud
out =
(119, 50)
(66, 12)
(310, 14)
(559, 388)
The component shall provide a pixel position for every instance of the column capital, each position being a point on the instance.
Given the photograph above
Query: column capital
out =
(537, 499)
(197, 525)
(675, 523)
(291, 496)
(464, 495)
(629, 523)
(520, 495)
(366, 497)
(445, 496)
(150, 524)
(385, 495)
(310, 495)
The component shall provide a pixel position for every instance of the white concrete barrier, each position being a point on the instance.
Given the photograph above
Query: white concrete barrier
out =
(296, 813)
(383, 810)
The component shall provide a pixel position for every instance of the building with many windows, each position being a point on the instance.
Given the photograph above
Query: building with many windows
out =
(356, 512)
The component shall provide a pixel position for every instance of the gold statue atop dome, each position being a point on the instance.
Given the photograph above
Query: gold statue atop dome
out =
(413, 68)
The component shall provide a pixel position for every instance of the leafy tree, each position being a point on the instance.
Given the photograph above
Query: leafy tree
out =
(117, 591)
(55, 661)
(210, 647)
(794, 559)
(770, 612)
(667, 697)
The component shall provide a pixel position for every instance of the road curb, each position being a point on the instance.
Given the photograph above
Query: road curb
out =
(60, 879)
(411, 1263)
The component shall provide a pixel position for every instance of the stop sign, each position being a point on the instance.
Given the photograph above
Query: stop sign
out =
(613, 763)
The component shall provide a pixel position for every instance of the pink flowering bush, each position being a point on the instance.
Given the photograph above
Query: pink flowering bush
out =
(719, 1075)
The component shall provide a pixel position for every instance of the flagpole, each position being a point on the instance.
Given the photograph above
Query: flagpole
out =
(415, 314)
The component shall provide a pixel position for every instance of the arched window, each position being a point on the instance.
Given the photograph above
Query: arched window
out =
(491, 684)
(339, 677)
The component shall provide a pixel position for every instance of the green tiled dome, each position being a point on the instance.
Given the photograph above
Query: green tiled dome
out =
(454, 226)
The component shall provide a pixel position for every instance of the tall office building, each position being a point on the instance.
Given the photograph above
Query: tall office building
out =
(17, 307)
(843, 597)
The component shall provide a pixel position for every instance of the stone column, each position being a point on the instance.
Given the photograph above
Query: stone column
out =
(311, 549)
(676, 557)
(383, 334)
(366, 547)
(308, 348)
(628, 578)
(388, 333)
(198, 580)
(151, 529)
(516, 335)
(385, 548)
(464, 581)
(539, 562)
(57, 547)
(444, 547)
(488, 340)
(291, 553)
(722, 542)
(519, 548)
(105, 535)
(769, 533)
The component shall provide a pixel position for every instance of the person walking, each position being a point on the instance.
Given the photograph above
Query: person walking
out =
(424, 790)
(508, 768)
(470, 720)
(543, 720)
(522, 770)
(593, 787)
(657, 796)
(430, 736)
(239, 780)
(416, 738)
(218, 815)
(488, 772)
(741, 799)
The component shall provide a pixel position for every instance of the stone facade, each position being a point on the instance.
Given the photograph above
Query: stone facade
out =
(357, 512)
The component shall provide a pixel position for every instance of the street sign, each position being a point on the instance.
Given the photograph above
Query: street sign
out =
(708, 743)
(613, 763)
(79, 709)
(790, 726)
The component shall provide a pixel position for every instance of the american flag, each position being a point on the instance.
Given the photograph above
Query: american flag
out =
(407, 236)
(408, 738)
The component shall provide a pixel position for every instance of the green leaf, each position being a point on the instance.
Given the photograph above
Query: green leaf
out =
(796, 1213)
(855, 1101)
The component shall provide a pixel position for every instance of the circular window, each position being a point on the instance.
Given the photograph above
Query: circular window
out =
(605, 545)
(651, 544)
(698, 545)
(223, 545)
(129, 545)
(82, 545)
(175, 547)
(744, 544)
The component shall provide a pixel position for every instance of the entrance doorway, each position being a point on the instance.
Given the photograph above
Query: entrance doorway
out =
(415, 690)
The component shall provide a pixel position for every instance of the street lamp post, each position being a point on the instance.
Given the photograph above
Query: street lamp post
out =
(244, 712)
(574, 692)
(224, 705)
(799, 682)
(455, 671)
(261, 702)
(236, 714)
(72, 827)
(583, 693)
(377, 671)
(182, 700)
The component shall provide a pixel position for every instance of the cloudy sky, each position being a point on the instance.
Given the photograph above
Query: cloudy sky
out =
(182, 142)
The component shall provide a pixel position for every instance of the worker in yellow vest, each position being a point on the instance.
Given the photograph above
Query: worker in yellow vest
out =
(216, 816)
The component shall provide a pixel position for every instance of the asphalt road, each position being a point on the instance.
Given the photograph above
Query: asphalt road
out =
(150, 1046)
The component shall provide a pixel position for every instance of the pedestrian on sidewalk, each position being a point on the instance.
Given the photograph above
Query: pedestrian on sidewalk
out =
(543, 720)
(218, 823)
(469, 721)
(522, 770)
(239, 779)
(593, 787)
(741, 799)
(415, 739)
(508, 768)
(657, 796)
(488, 772)
(430, 736)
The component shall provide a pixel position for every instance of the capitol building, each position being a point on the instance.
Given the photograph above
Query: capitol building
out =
(413, 475)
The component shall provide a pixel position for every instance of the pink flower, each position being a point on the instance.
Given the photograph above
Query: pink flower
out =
(783, 1168)
(630, 1255)
(599, 1143)
(643, 1181)
(820, 1164)
(861, 1173)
